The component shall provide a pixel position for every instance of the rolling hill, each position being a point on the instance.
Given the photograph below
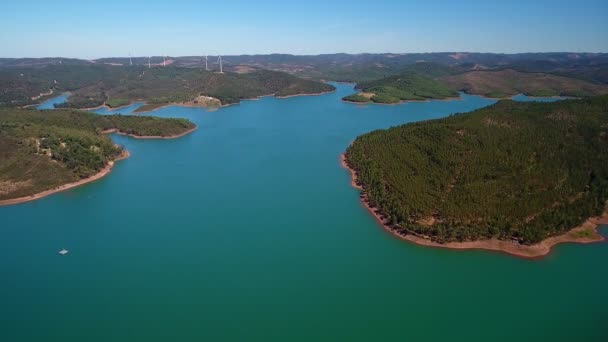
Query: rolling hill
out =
(509, 82)
(517, 170)
(42, 150)
(409, 85)
(92, 85)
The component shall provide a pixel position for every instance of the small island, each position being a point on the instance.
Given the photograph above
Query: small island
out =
(44, 152)
(513, 177)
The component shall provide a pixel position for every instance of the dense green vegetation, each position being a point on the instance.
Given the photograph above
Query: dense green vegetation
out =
(512, 170)
(356, 98)
(92, 85)
(409, 85)
(143, 125)
(117, 102)
(40, 150)
(18, 85)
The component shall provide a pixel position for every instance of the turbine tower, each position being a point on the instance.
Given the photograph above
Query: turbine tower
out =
(164, 62)
(148, 62)
(219, 59)
(130, 60)
(206, 67)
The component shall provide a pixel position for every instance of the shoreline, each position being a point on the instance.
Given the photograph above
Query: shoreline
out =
(256, 98)
(106, 170)
(105, 106)
(402, 102)
(117, 131)
(538, 250)
(44, 99)
(459, 97)
(510, 97)
(183, 104)
(38, 97)
(137, 111)
(307, 94)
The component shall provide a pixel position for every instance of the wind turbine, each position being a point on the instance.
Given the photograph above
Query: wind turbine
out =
(148, 62)
(219, 59)
(206, 67)
(164, 62)
(130, 60)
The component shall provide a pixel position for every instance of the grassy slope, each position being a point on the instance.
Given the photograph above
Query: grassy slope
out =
(409, 85)
(509, 82)
(43, 150)
(526, 170)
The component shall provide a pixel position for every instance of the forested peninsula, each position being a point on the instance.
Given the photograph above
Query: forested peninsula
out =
(42, 152)
(94, 85)
(408, 86)
(515, 177)
(427, 81)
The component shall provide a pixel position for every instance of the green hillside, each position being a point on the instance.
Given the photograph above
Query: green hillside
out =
(40, 150)
(409, 85)
(523, 170)
(95, 84)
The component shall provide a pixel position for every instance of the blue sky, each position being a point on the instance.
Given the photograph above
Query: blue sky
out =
(93, 29)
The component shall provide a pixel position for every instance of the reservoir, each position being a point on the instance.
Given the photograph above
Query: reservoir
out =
(248, 230)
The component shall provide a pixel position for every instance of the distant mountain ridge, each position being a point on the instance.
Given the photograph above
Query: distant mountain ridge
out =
(115, 81)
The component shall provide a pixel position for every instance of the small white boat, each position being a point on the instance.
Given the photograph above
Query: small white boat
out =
(63, 251)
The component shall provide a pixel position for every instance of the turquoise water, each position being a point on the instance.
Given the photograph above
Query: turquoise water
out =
(50, 103)
(524, 98)
(248, 230)
(122, 110)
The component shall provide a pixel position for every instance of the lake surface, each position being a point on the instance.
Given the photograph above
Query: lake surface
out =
(248, 230)
(524, 98)
(50, 103)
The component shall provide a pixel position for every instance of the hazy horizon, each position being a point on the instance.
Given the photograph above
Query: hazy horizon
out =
(319, 54)
(189, 28)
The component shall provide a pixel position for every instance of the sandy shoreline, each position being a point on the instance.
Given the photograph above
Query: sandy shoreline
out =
(105, 106)
(43, 95)
(540, 249)
(309, 94)
(187, 105)
(124, 155)
(182, 104)
(116, 131)
(229, 104)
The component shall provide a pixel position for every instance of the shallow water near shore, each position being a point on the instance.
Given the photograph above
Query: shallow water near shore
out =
(248, 230)
(50, 103)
